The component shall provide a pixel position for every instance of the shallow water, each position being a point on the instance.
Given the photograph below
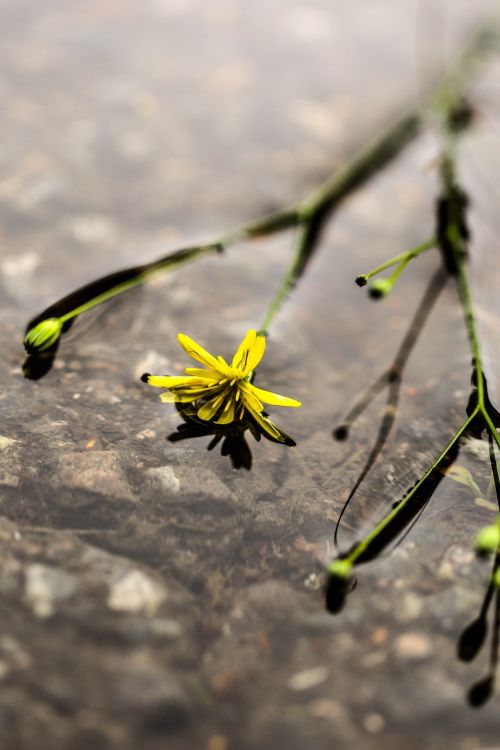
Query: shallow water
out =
(151, 595)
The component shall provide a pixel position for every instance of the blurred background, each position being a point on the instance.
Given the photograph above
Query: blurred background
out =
(150, 595)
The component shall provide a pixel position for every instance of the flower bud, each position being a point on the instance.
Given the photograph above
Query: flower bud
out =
(380, 288)
(43, 335)
(488, 540)
(496, 579)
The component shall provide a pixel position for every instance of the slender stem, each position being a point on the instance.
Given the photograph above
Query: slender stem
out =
(292, 275)
(370, 159)
(458, 251)
(457, 248)
(149, 272)
(470, 323)
(405, 257)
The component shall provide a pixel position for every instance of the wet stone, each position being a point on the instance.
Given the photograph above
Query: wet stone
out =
(96, 472)
(10, 462)
(46, 587)
(163, 479)
(155, 698)
(136, 592)
(198, 481)
(308, 679)
(413, 646)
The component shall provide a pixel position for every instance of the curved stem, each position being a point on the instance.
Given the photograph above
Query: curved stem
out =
(405, 257)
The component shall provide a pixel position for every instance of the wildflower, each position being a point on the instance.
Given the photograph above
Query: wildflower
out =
(224, 394)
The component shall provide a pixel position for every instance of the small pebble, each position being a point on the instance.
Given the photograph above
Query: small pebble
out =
(374, 723)
(413, 646)
(136, 592)
(308, 679)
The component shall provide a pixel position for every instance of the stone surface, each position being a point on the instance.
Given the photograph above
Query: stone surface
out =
(136, 592)
(150, 595)
(45, 586)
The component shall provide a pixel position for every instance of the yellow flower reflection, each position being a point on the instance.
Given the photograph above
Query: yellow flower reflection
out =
(224, 392)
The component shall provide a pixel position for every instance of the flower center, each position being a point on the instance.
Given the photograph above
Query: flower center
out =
(234, 375)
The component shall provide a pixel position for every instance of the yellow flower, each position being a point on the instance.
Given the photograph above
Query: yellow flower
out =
(224, 392)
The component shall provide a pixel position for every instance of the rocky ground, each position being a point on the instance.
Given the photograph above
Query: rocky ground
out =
(152, 596)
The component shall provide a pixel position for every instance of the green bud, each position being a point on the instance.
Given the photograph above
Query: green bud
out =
(362, 279)
(380, 288)
(43, 335)
(496, 578)
(340, 569)
(488, 540)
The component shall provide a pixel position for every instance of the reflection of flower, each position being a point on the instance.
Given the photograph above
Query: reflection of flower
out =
(224, 394)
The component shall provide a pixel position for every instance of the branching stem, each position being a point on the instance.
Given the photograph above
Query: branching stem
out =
(398, 260)
(309, 214)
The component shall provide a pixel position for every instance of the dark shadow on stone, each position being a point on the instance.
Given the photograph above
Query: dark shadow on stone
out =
(232, 437)
(36, 366)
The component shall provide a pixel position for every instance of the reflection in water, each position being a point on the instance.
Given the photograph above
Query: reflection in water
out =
(474, 636)
(232, 435)
(341, 581)
(453, 237)
(36, 366)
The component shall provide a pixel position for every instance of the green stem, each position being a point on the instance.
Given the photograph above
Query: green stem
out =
(405, 257)
(470, 324)
(459, 253)
(452, 238)
(147, 274)
(289, 280)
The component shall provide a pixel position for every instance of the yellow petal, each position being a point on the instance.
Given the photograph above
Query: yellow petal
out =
(256, 353)
(171, 381)
(249, 398)
(250, 352)
(198, 372)
(198, 352)
(227, 415)
(170, 398)
(267, 397)
(197, 391)
(209, 410)
(268, 426)
(241, 357)
(223, 366)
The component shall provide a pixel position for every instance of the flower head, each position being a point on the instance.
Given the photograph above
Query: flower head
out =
(224, 393)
